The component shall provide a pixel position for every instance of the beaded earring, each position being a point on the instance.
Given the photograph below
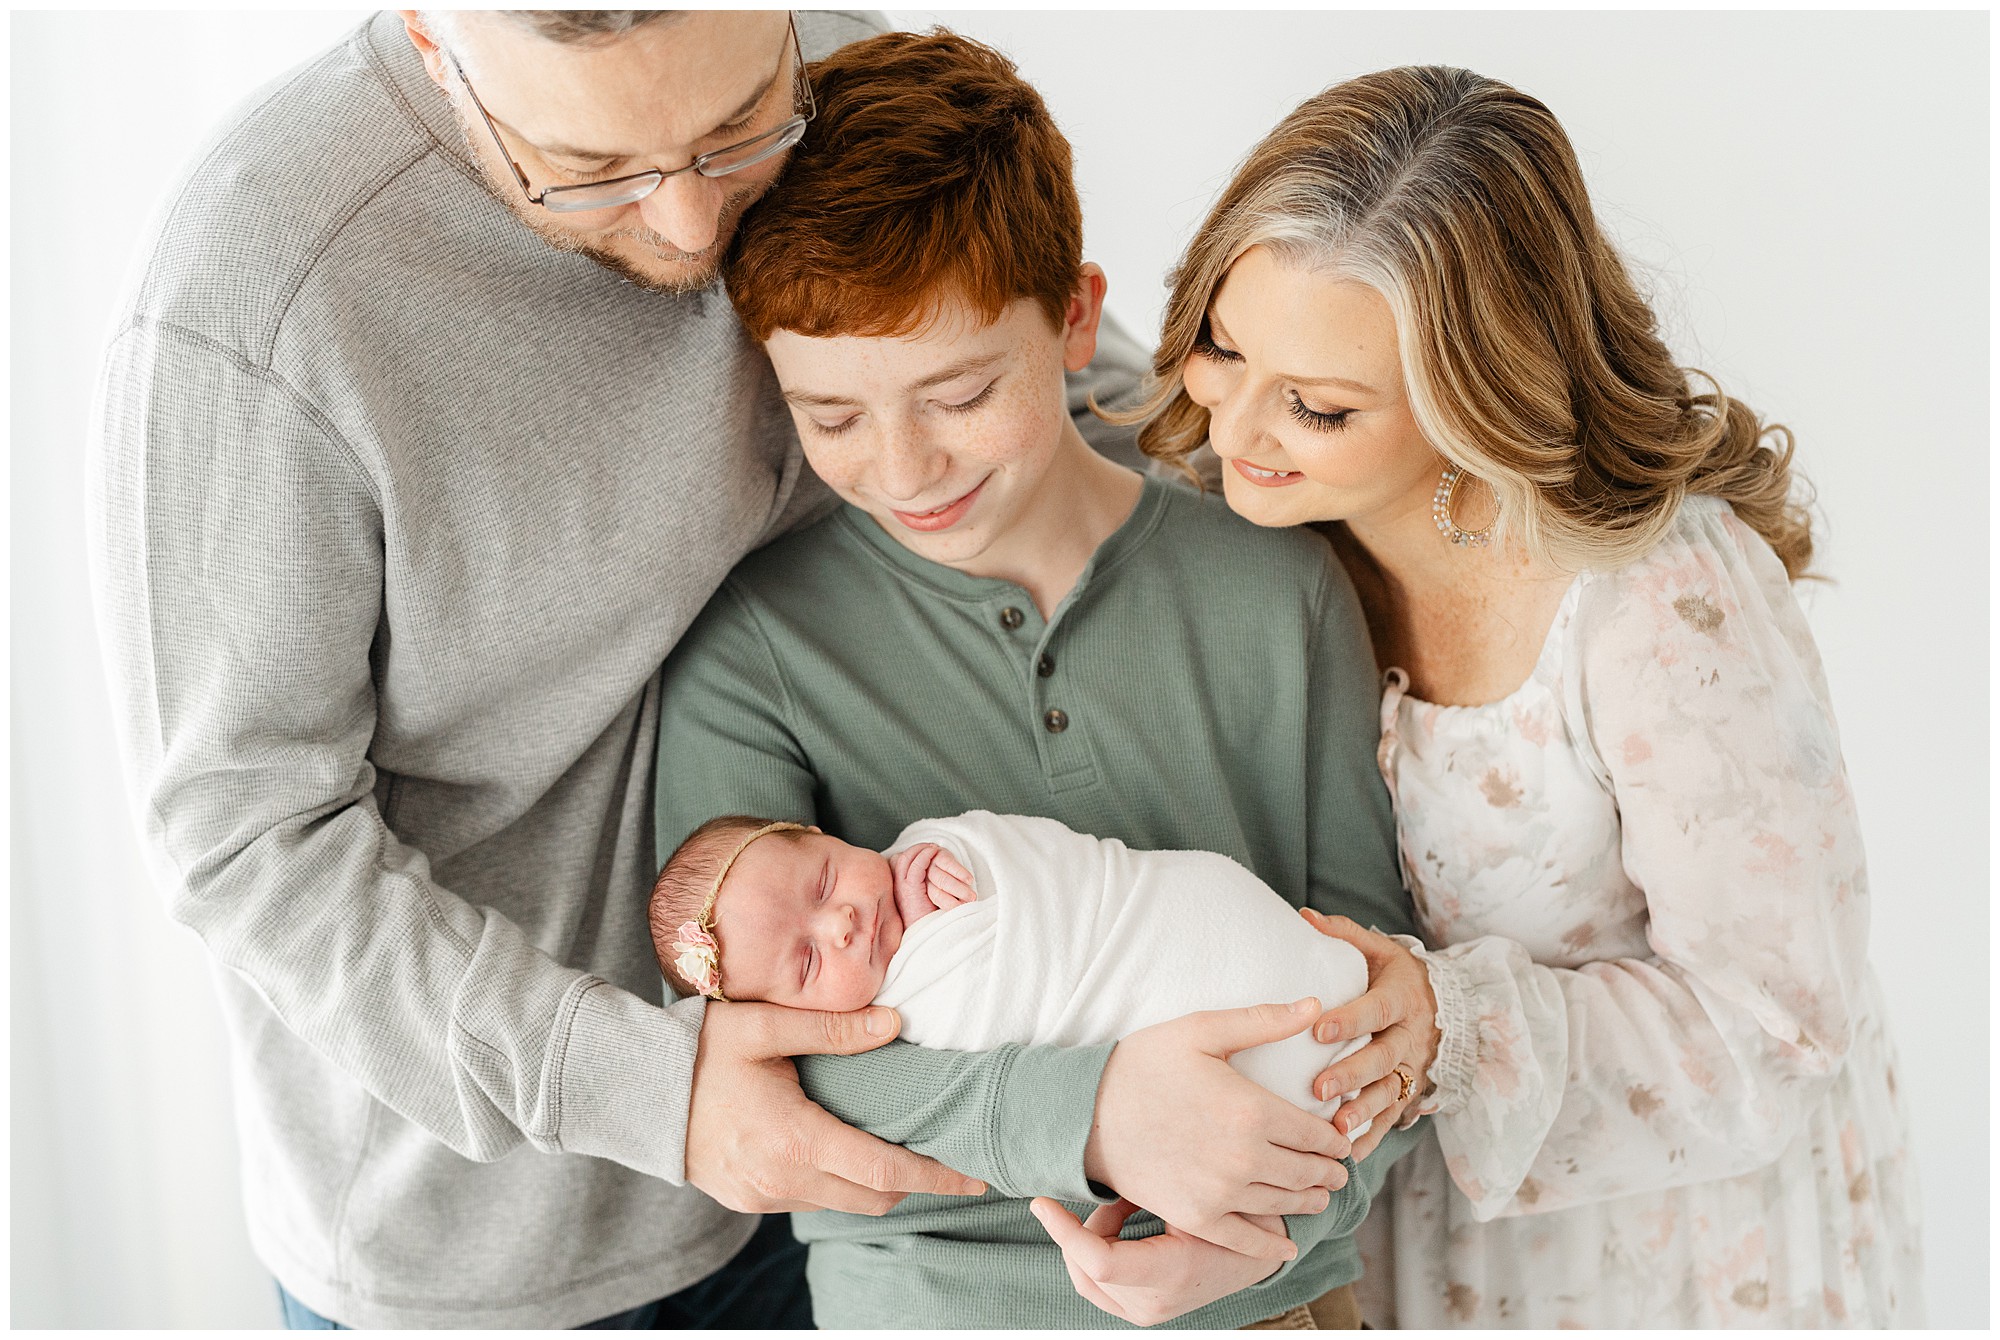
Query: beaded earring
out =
(1441, 512)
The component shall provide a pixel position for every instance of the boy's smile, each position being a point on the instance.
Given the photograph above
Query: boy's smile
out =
(956, 437)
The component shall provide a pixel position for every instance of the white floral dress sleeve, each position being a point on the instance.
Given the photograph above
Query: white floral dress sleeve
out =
(1709, 989)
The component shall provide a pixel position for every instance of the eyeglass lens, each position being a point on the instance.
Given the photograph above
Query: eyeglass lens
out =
(623, 191)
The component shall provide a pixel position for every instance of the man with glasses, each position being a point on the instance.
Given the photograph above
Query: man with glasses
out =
(422, 436)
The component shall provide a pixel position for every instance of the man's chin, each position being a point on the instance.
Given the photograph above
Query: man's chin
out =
(644, 265)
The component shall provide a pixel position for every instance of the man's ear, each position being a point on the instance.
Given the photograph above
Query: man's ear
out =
(427, 47)
(1086, 309)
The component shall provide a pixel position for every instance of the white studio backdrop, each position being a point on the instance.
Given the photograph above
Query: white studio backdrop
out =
(1806, 194)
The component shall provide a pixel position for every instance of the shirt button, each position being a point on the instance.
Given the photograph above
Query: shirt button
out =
(1056, 720)
(1046, 666)
(1010, 618)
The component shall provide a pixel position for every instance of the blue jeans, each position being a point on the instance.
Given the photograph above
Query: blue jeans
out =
(763, 1288)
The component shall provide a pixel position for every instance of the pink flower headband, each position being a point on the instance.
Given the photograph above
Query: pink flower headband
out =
(697, 956)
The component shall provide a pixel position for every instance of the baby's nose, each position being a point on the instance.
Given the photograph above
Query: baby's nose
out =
(840, 924)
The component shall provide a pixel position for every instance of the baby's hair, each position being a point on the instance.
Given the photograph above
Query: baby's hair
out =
(684, 883)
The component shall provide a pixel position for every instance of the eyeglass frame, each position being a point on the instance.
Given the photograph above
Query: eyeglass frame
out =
(794, 127)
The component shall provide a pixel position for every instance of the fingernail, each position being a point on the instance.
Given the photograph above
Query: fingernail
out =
(1327, 1032)
(1306, 1006)
(879, 1023)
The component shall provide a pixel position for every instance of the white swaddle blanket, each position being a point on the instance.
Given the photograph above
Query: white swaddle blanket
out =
(1075, 939)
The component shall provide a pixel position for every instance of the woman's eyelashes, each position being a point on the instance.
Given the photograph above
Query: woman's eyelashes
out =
(1206, 347)
(1321, 421)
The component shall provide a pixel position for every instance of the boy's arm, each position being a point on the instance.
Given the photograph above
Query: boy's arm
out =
(1351, 847)
(1016, 1117)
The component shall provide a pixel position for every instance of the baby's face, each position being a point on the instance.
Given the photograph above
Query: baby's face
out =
(807, 921)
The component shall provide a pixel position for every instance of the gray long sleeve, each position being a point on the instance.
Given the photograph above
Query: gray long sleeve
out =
(394, 513)
(242, 572)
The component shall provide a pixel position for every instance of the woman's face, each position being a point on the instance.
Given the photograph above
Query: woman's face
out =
(945, 435)
(1303, 380)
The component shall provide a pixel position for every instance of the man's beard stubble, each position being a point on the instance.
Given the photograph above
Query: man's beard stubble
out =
(704, 264)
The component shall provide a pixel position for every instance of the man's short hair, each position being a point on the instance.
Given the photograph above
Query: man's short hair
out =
(933, 172)
(587, 27)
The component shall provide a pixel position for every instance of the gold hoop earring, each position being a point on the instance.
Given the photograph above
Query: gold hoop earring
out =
(1441, 512)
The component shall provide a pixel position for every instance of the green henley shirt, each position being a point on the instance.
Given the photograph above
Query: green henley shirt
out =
(1207, 685)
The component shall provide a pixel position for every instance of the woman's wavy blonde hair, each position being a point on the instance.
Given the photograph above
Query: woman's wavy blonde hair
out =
(1532, 361)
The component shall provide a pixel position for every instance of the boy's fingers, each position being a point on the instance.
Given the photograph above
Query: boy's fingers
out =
(1106, 1220)
(1090, 1252)
(1240, 1235)
(1223, 1032)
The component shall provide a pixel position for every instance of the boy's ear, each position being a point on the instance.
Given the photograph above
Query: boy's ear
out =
(1086, 309)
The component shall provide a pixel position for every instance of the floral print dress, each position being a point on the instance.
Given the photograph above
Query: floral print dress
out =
(1665, 1096)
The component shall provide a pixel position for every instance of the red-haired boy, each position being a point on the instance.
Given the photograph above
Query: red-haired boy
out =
(1003, 619)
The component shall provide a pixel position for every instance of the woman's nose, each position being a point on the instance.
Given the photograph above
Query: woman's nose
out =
(1222, 395)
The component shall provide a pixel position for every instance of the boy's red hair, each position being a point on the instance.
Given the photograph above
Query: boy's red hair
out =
(933, 172)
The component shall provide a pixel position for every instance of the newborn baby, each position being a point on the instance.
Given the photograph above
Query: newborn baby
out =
(988, 929)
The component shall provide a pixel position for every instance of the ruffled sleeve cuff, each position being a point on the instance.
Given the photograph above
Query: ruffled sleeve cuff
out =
(1458, 1032)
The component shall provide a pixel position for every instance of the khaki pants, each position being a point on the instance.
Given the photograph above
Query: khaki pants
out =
(1334, 1310)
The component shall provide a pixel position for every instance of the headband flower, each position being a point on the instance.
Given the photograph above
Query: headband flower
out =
(696, 957)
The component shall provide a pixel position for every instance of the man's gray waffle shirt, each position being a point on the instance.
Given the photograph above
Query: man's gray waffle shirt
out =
(395, 511)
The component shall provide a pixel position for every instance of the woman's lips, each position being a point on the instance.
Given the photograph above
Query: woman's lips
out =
(944, 518)
(1267, 479)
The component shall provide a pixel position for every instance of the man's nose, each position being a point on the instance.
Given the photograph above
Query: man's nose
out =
(686, 210)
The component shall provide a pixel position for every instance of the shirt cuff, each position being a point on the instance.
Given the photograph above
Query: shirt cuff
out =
(1042, 1121)
(627, 1067)
(1457, 1061)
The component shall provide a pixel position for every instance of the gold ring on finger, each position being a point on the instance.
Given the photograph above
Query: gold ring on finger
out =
(1406, 1080)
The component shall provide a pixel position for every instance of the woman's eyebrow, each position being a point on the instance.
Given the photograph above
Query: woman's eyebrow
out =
(1215, 328)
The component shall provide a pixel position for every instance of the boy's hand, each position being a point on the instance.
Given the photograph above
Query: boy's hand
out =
(1148, 1280)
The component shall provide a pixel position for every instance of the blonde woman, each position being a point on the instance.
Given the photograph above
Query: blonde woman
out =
(1645, 1023)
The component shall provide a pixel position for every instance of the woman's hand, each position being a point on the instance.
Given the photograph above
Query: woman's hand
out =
(1148, 1280)
(1401, 1012)
(1182, 1133)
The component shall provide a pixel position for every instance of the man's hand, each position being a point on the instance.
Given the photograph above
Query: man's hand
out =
(1148, 1280)
(756, 1143)
(1181, 1133)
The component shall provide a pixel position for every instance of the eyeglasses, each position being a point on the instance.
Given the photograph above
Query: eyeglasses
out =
(625, 190)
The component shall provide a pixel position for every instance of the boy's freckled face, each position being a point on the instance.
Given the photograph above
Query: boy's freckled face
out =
(810, 922)
(944, 435)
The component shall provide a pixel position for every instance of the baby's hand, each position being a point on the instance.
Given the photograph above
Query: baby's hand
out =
(947, 882)
(928, 879)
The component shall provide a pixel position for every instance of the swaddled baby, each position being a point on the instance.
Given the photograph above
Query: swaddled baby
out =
(988, 929)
